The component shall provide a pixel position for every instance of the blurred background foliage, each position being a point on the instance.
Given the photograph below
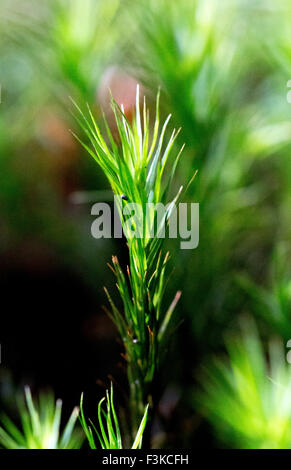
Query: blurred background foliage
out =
(223, 69)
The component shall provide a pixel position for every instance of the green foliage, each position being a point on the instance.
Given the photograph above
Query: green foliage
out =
(109, 435)
(223, 69)
(136, 168)
(69, 40)
(247, 396)
(180, 46)
(40, 426)
(272, 302)
(199, 62)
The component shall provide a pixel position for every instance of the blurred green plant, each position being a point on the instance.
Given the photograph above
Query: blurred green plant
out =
(182, 48)
(40, 426)
(109, 436)
(272, 302)
(68, 42)
(247, 397)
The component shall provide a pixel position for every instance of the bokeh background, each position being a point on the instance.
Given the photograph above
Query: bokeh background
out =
(223, 69)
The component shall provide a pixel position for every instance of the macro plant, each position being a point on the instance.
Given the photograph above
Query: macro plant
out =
(40, 426)
(135, 165)
(109, 435)
(224, 73)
